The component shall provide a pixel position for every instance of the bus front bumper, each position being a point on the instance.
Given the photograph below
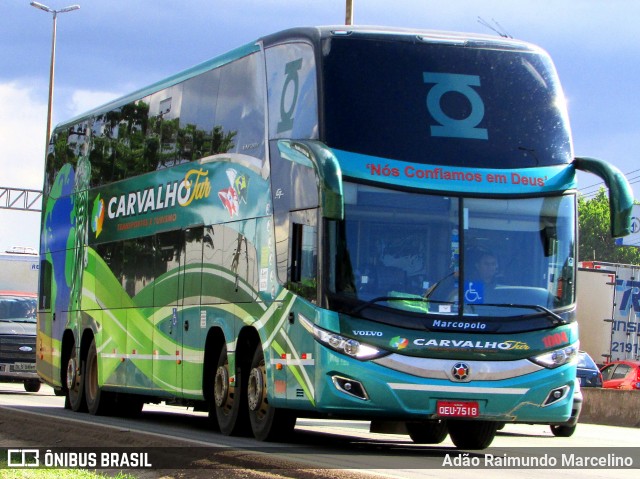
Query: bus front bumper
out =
(505, 391)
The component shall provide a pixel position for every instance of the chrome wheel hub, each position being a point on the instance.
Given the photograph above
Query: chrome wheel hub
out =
(255, 392)
(221, 386)
(72, 369)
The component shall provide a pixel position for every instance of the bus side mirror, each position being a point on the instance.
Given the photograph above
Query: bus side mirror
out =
(620, 193)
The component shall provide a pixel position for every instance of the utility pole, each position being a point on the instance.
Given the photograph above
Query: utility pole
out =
(349, 15)
(54, 13)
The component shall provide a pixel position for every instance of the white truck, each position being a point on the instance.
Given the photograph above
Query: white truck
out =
(19, 268)
(18, 303)
(608, 302)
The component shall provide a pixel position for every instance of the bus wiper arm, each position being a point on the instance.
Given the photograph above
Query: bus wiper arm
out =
(435, 285)
(554, 317)
(558, 319)
(380, 299)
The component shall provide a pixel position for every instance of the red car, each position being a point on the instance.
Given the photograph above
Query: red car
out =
(621, 375)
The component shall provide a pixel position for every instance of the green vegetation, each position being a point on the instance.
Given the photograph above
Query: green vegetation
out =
(596, 243)
(15, 473)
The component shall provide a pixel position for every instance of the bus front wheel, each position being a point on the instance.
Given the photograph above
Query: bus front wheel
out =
(267, 422)
(561, 430)
(472, 434)
(428, 432)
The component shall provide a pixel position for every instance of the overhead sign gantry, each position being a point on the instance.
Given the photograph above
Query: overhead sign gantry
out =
(20, 199)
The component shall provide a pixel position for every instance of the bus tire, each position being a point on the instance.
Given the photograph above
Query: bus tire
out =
(228, 397)
(267, 422)
(428, 432)
(560, 430)
(75, 383)
(472, 434)
(32, 385)
(99, 402)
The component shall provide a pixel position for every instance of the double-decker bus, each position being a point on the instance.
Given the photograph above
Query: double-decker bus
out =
(293, 229)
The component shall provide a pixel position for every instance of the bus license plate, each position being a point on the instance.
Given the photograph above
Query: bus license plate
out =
(458, 409)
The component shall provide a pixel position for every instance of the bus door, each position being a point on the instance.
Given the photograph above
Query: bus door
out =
(187, 332)
(138, 272)
(45, 331)
(166, 315)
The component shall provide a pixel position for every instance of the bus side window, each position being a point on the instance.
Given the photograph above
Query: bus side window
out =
(304, 256)
(45, 285)
(295, 200)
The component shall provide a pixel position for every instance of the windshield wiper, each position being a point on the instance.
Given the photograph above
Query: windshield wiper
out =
(435, 285)
(554, 317)
(381, 299)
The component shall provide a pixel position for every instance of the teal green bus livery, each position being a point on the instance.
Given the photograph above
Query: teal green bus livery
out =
(299, 228)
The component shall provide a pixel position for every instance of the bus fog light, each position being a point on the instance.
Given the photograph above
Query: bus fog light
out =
(556, 395)
(350, 386)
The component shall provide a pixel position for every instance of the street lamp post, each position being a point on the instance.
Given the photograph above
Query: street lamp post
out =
(53, 57)
(349, 13)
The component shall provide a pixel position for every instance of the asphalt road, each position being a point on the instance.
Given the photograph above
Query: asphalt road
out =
(180, 444)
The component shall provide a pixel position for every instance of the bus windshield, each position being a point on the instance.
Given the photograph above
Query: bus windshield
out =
(444, 104)
(441, 255)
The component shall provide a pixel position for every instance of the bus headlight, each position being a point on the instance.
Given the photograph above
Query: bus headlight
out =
(556, 358)
(350, 347)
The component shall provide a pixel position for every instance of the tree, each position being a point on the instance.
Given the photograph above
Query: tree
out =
(596, 242)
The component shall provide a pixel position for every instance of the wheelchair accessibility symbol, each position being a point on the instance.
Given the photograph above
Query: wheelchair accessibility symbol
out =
(474, 292)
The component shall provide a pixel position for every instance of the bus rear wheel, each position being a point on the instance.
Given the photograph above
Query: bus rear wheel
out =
(428, 432)
(99, 402)
(230, 414)
(472, 434)
(75, 383)
(267, 422)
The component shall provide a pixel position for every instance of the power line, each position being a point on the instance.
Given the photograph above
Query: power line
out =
(631, 181)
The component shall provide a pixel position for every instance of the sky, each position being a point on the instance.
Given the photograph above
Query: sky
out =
(110, 48)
